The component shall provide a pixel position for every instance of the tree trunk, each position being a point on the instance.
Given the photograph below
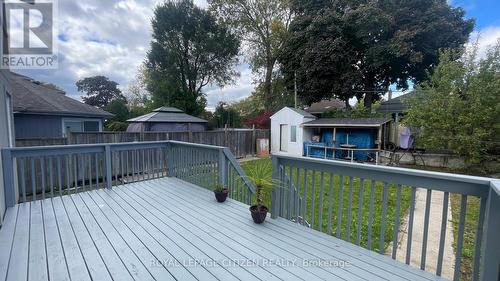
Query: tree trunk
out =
(267, 84)
(368, 100)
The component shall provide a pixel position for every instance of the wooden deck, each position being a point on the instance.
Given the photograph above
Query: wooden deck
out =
(167, 229)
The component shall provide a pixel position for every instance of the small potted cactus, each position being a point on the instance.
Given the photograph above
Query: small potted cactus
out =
(261, 176)
(221, 192)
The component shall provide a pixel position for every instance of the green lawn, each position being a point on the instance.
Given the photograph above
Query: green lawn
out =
(471, 218)
(356, 184)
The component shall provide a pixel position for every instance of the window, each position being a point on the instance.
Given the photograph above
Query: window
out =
(91, 126)
(81, 125)
(293, 133)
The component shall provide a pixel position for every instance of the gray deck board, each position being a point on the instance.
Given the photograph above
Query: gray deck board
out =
(6, 239)
(156, 229)
(356, 273)
(56, 261)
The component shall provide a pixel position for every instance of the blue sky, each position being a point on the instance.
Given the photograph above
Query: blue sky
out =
(111, 38)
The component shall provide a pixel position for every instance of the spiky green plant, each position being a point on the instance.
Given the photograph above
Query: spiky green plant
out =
(261, 176)
(218, 187)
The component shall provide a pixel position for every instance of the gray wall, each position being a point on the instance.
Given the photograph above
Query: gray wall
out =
(37, 126)
(175, 127)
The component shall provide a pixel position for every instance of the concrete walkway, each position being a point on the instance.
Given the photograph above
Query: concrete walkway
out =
(435, 218)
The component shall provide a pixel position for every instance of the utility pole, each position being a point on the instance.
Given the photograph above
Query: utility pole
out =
(295, 87)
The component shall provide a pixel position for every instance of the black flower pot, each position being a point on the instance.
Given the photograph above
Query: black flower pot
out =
(221, 195)
(258, 216)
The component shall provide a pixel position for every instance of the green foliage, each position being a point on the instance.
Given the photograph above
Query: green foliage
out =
(116, 126)
(339, 48)
(219, 187)
(459, 107)
(261, 176)
(189, 50)
(358, 111)
(263, 24)
(119, 109)
(99, 90)
(223, 115)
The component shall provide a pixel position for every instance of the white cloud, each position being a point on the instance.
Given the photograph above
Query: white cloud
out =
(486, 38)
(111, 38)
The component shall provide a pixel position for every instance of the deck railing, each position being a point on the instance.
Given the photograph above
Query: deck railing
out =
(366, 205)
(32, 173)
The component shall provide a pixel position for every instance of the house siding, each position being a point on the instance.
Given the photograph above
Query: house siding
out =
(37, 126)
(5, 137)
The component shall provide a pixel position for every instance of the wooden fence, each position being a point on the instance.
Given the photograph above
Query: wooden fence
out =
(241, 142)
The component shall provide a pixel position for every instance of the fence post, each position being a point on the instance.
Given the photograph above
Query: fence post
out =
(8, 179)
(109, 177)
(254, 141)
(490, 260)
(275, 194)
(222, 168)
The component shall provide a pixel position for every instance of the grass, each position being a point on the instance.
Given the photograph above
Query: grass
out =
(348, 232)
(471, 219)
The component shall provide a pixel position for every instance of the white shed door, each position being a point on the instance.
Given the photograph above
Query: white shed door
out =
(284, 135)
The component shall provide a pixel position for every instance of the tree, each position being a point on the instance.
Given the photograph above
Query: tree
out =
(99, 90)
(458, 107)
(189, 51)
(263, 24)
(223, 115)
(348, 49)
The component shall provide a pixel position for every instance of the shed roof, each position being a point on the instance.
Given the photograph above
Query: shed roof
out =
(347, 122)
(33, 97)
(296, 110)
(167, 115)
(395, 105)
(325, 106)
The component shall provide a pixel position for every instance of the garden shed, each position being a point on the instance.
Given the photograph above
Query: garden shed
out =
(166, 119)
(286, 134)
(354, 139)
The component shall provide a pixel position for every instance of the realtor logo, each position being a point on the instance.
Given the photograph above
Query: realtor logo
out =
(30, 35)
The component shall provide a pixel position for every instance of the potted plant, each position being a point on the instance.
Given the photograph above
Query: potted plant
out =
(261, 176)
(220, 192)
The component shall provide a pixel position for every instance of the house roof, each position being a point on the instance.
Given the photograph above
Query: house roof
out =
(347, 122)
(325, 106)
(167, 115)
(33, 97)
(395, 105)
(296, 110)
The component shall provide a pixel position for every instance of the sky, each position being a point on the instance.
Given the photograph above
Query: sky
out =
(111, 38)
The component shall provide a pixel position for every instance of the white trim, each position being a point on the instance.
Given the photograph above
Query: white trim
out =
(63, 120)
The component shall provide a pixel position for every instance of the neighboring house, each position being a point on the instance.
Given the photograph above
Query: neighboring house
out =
(166, 119)
(42, 112)
(286, 134)
(323, 106)
(6, 123)
(394, 105)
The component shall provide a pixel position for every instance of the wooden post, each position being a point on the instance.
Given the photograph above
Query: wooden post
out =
(275, 195)
(8, 179)
(254, 140)
(490, 260)
(190, 133)
(109, 176)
